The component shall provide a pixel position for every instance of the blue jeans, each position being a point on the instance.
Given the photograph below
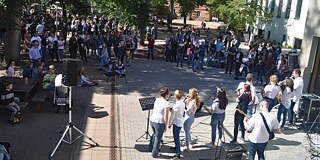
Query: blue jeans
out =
(216, 120)
(282, 111)
(290, 112)
(179, 60)
(256, 147)
(43, 54)
(154, 145)
(13, 108)
(150, 52)
(188, 121)
(190, 60)
(249, 110)
(109, 51)
(176, 137)
(201, 61)
(51, 87)
(271, 103)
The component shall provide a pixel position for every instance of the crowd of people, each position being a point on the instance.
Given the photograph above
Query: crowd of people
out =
(223, 51)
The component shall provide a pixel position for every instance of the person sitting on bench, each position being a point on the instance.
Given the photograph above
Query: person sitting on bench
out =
(48, 79)
(10, 102)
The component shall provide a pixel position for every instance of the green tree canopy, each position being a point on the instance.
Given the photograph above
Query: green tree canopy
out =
(238, 13)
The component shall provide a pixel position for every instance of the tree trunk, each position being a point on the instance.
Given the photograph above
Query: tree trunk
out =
(12, 46)
(142, 32)
(12, 35)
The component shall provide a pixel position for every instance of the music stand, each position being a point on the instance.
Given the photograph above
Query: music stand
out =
(146, 105)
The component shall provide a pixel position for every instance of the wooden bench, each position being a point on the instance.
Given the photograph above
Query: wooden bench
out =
(39, 97)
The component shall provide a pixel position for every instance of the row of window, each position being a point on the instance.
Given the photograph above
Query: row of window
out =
(288, 8)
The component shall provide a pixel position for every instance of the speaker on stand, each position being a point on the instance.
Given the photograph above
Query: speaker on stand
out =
(71, 71)
(293, 61)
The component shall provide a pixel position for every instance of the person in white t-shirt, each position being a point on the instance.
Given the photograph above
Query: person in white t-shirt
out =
(259, 135)
(61, 43)
(52, 45)
(297, 92)
(40, 28)
(218, 115)
(159, 121)
(36, 37)
(240, 87)
(176, 120)
(285, 101)
(271, 91)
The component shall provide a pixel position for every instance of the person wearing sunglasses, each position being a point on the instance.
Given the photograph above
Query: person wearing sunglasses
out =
(49, 79)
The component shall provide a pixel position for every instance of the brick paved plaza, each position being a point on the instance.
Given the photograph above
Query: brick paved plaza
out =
(110, 114)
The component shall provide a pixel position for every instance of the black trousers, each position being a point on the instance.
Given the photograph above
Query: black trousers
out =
(83, 54)
(237, 72)
(229, 64)
(238, 121)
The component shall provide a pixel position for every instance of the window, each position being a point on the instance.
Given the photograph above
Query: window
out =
(269, 34)
(288, 9)
(284, 38)
(298, 9)
(273, 4)
(279, 9)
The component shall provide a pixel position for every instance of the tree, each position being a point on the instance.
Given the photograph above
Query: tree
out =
(10, 16)
(188, 6)
(239, 13)
(133, 13)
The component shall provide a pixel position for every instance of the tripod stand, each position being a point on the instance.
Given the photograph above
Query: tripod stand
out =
(314, 145)
(69, 128)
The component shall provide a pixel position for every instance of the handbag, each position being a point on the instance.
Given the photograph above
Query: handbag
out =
(271, 134)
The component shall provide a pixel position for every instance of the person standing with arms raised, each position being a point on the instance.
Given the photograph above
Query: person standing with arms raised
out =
(297, 92)
(159, 121)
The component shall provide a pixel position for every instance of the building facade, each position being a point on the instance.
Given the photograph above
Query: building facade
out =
(309, 59)
(200, 13)
(288, 22)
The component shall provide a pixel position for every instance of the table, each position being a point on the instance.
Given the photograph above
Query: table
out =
(20, 88)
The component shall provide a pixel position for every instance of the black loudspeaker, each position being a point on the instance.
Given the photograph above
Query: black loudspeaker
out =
(230, 152)
(71, 71)
(309, 108)
(293, 61)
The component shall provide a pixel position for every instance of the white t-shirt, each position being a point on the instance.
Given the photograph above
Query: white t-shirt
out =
(61, 42)
(40, 29)
(10, 72)
(252, 89)
(192, 108)
(297, 88)
(271, 91)
(158, 110)
(286, 97)
(215, 108)
(259, 132)
(51, 41)
(177, 114)
(37, 39)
